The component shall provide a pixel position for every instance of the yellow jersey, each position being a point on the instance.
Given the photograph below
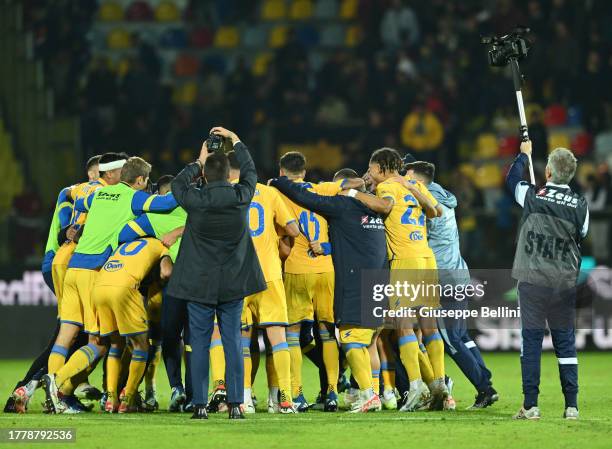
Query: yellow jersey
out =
(405, 226)
(315, 228)
(81, 191)
(267, 209)
(131, 262)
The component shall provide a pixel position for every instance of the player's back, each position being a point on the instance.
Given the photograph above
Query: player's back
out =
(131, 262)
(315, 228)
(267, 209)
(80, 192)
(405, 226)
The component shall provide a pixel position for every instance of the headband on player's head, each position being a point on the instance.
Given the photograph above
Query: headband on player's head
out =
(112, 165)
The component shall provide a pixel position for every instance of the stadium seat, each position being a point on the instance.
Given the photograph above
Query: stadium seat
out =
(555, 115)
(166, 156)
(273, 10)
(582, 143)
(186, 65)
(167, 12)
(508, 146)
(307, 35)
(201, 38)
(118, 39)
(122, 67)
(185, 94)
(468, 170)
(254, 36)
(574, 116)
(227, 37)
(558, 139)
(332, 36)
(348, 9)
(353, 35)
(488, 176)
(300, 10)
(326, 9)
(278, 36)
(217, 62)
(486, 146)
(174, 38)
(261, 63)
(110, 11)
(139, 11)
(186, 155)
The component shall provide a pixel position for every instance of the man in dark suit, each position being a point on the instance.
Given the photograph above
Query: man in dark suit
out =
(217, 265)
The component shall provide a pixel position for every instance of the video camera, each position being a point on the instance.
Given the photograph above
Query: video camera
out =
(216, 143)
(507, 47)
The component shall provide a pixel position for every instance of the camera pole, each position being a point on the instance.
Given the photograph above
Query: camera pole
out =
(517, 79)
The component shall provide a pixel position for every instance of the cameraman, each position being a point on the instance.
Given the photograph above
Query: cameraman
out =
(217, 265)
(546, 264)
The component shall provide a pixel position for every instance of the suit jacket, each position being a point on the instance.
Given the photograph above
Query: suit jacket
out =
(216, 262)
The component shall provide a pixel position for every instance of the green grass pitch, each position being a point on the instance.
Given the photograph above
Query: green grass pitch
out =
(490, 428)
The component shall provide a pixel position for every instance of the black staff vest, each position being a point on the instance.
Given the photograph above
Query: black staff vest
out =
(548, 246)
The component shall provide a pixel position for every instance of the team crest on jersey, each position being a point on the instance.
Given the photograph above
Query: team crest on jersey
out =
(113, 265)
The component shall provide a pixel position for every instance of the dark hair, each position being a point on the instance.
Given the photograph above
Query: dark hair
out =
(388, 159)
(164, 180)
(233, 160)
(94, 160)
(294, 162)
(111, 157)
(216, 167)
(133, 168)
(425, 169)
(345, 173)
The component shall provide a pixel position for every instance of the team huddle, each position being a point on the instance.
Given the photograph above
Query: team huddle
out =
(110, 252)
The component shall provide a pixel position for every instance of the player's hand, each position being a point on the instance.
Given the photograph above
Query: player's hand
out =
(165, 268)
(171, 237)
(316, 248)
(526, 147)
(203, 154)
(71, 233)
(226, 133)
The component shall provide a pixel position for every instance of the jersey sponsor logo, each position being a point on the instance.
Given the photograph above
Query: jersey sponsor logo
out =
(416, 236)
(113, 265)
(109, 196)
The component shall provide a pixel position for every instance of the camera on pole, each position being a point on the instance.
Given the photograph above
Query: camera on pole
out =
(509, 50)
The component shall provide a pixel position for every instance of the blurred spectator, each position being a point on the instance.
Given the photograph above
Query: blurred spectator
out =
(399, 27)
(422, 132)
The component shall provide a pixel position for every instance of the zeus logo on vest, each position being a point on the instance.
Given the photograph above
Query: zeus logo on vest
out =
(109, 196)
(547, 246)
(416, 236)
(113, 265)
(554, 196)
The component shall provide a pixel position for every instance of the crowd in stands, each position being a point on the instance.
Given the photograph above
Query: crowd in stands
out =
(407, 74)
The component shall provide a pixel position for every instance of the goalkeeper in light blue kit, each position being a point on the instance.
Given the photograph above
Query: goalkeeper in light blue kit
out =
(443, 238)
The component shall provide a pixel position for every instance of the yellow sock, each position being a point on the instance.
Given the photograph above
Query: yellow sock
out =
(271, 371)
(425, 365)
(409, 355)
(282, 367)
(152, 369)
(248, 364)
(113, 371)
(435, 351)
(376, 381)
(57, 358)
(137, 369)
(217, 363)
(331, 359)
(79, 362)
(359, 361)
(295, 353)
(387, 372)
